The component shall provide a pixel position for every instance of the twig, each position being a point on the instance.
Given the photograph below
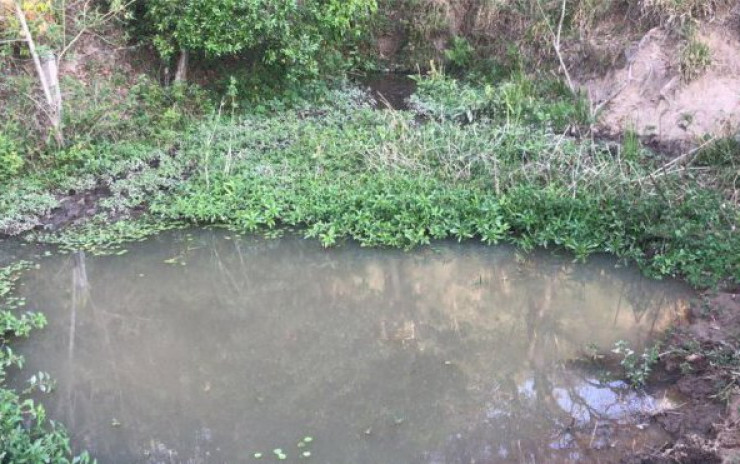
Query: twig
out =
(664, 170)
(556, 40)
(102, 20)
(593, 434)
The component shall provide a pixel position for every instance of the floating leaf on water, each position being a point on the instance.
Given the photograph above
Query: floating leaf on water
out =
(171, 260)
(282, 457)
(257, 455)
(306, 454)
(115, 422)
(301, 444)
(277, 451)
(308, 439)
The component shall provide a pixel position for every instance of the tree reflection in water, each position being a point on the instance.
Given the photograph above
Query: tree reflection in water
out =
(204, 347)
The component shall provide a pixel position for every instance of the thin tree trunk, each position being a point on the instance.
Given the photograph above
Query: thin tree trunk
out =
(45, 73)
(51, 73)
(181, 76)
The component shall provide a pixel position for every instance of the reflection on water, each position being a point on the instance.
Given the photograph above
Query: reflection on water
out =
(202, 347)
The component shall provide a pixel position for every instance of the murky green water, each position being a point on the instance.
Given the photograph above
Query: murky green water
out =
(203, 347)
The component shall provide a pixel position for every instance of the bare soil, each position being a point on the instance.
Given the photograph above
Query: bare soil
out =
(649, 95)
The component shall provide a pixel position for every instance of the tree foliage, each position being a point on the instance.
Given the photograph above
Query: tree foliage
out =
(296, 36)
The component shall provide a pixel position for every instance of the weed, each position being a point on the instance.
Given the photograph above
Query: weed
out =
(460, 54)
(10, 160)
(694, 59)
(631, 145)
(23, 204)
(637, 369)
(100, 238)
(515, 102)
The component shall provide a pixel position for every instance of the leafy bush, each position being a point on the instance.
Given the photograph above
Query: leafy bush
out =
(460, 54)
(10, 160)
(294, 37)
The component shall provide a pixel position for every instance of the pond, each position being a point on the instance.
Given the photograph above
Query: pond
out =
(205, 347)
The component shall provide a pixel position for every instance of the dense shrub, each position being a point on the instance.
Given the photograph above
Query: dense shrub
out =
(10, 160)
(298, 38)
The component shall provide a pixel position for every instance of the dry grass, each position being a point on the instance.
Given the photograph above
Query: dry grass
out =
(677, 13)
(694, 59)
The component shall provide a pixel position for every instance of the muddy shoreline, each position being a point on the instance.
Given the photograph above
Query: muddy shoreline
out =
(698, 362)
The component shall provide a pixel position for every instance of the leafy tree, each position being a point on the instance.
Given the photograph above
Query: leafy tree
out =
(296, 36)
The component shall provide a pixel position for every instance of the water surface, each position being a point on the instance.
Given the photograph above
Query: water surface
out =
(204, 347)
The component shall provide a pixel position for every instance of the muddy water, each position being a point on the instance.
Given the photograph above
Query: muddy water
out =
(203, 347)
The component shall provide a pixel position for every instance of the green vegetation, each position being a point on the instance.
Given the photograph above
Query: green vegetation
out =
(10, 160)
(696, 57)
(637, 369)
(489, 162)
(295, 39)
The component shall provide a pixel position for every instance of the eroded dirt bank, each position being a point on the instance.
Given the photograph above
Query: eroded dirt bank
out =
(701, 364)
(667, 71)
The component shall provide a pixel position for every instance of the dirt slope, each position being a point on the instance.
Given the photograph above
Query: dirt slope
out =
(648, 95)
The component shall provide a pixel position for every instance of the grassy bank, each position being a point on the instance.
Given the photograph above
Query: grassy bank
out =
(511, 162)
(507, 162)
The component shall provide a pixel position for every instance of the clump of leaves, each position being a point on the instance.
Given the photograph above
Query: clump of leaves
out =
(694, 59)
(10, 159)
(460, 53)
(637, 368)
(295, 39)
(517, 101)
(631, 145)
